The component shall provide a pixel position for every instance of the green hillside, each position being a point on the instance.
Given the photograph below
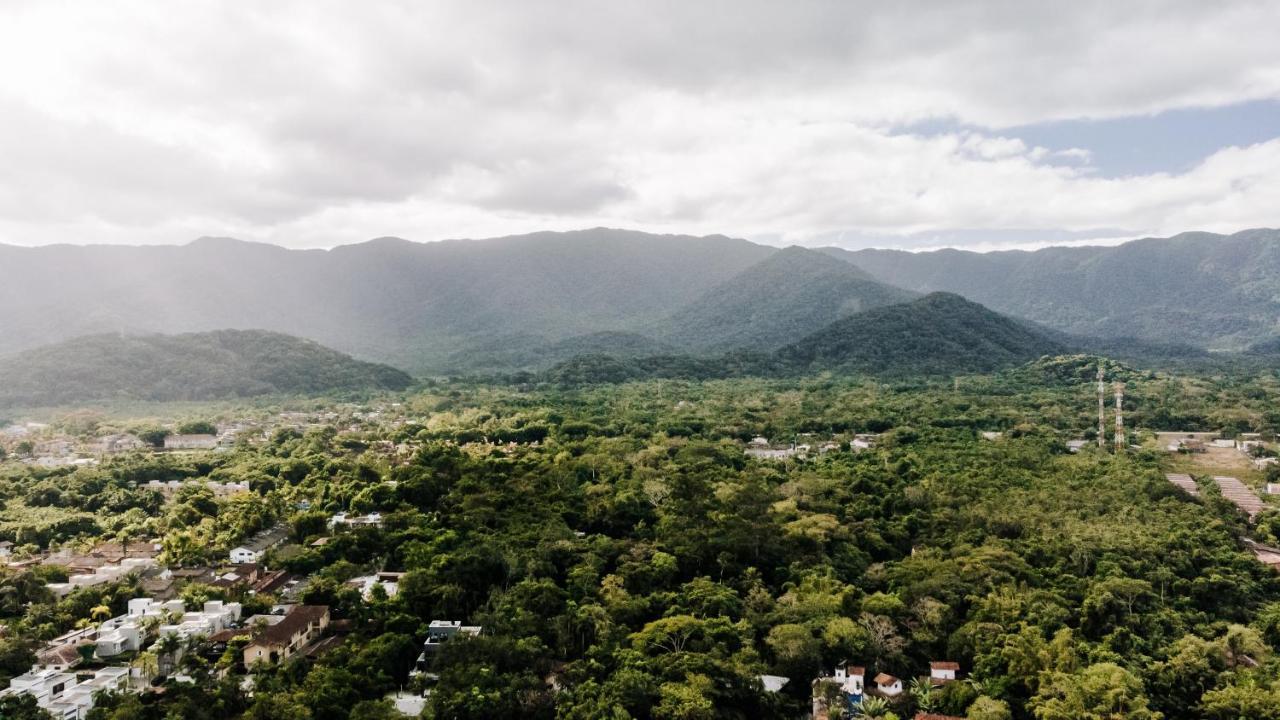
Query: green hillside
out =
(1209, 290)
(197, 366)
(939, 334)
(779, 300)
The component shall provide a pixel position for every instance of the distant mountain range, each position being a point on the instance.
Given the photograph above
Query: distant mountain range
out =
(200, 366)
(1215, 291)
(531, 301)
(939, 334)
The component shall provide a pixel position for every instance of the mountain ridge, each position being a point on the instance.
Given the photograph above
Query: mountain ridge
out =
(214, 365)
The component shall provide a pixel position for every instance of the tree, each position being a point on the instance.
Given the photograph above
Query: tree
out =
(276, 706)
(1104, 691)
(796, 649)
(985, 708)
(197, 427)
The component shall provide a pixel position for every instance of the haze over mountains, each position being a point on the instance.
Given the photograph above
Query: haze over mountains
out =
(534, 300)
(195, 366)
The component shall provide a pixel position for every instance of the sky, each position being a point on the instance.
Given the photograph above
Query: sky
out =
(315, 123)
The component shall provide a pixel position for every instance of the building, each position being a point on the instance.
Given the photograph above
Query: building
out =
(6, 548)
(109, 444)
(64, 695)
(943, 672)
(60, 657)
(1075, 446)
(253, 551)
(342, 519)
(101, 575)
(888, 685)
(388, 581)
(128, 632)
(190, 442)
(440, 632)
(843, 687)
(302, 625)
(220, 489)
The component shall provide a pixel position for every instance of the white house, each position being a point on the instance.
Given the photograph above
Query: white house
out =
(254, 550)
(888, 685)
(63, 694)
(942, 672)
(851, 679)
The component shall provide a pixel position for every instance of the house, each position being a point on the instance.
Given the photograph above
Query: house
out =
(354, 521)
(888, 685)
(6, 548)
(128, 633)
(844, 685)
(942, 672)
(773, 683)
(254, 550)
(297, 629)
(438, 633)
(108, 444)
(60, 657)
(1273, 488)
(65, 695)
(190, 442)
(1075, 446)
(388, 581)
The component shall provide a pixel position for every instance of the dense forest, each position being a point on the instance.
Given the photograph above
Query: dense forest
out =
(626, 559)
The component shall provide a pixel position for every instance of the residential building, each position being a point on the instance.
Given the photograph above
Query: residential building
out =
(190, 442)
(440, 632)
(298, 628)
(388, 581)
(65, 695)
(257, 547)
(888, 685)
(342, 519)
(942, 672)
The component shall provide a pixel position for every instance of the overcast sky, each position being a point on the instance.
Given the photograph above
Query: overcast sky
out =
(313, 124)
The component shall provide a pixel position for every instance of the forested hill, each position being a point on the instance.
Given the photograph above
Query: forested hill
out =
(414, 305)
(939, 334)
(1210, 290)
(779, 300)
(198, 366)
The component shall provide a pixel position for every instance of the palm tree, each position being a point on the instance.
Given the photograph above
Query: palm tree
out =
(922, 691)
(872, 707)
(148, 663)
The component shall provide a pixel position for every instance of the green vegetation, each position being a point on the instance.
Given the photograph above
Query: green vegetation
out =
(627, 560)
(780, 300)
(197, 366)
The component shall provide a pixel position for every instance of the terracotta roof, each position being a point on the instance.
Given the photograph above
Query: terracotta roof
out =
(855, 670)
(885, 679)
(944, 665)
(933, 716)
(297, 620)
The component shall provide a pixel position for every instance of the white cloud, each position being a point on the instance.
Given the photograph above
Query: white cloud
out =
(312, 123)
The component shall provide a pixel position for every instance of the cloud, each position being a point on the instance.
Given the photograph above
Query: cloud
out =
(322, 122)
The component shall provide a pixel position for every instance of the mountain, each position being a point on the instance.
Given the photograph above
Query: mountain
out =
(778, 300)
(1215, 291)
(416, 305)
(939, 334)
(198, 366)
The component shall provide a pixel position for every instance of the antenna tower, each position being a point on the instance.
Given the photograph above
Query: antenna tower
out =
(1120, 441)
(1102, 409)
